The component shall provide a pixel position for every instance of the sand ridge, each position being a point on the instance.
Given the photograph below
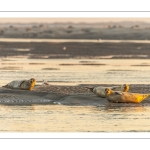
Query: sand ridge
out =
(65, 95)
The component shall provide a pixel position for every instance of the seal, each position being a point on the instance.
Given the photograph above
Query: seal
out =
(21, 84)
(124, 97)
(100, 90)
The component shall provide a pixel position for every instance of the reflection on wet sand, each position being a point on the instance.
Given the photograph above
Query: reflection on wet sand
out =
(121, 70)
(90, 64)
(36, 63)
(11, 68)
(76, 71)
(142, 65)
(111, 108)
(50, 68)
(56, 118)
(12, 63)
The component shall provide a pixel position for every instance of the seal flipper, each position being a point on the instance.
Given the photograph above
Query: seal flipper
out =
(5, 86)
(118, 93)
(113, 88)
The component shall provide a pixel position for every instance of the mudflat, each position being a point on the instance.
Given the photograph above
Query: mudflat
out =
(50, 50)
(77, 95)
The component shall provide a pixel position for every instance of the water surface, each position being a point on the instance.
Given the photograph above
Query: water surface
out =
(56, 118)
(76, 71)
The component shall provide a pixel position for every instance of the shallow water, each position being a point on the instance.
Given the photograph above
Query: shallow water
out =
(60, 118)
(76, 71)
(57, 118)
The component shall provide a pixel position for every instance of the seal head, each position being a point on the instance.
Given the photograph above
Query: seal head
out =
(21, 84)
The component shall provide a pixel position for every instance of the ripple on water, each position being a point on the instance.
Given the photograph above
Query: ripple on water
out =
(58, 118)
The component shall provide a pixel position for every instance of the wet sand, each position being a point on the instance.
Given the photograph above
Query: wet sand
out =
(77, 95)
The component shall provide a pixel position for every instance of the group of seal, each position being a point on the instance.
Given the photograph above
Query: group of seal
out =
(21, 84)
(115, 94)
(118, 94)
(100, 90)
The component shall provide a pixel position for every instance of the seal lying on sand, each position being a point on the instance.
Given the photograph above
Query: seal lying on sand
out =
(22, 84)
(100, 90)
(124, 97)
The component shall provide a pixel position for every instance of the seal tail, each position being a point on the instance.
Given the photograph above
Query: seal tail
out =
(90, 88)
(5, 86)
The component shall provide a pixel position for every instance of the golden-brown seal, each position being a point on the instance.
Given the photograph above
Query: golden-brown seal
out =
(124, 97)
(22, 84)
(100, 90)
